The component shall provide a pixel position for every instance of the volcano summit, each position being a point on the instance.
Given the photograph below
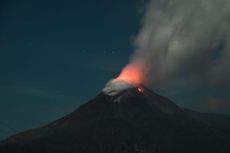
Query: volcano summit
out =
(129, 121)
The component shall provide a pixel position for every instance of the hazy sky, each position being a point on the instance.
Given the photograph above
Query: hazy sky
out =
(56, 55)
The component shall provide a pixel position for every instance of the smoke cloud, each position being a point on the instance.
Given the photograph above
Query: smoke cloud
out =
(185, 38)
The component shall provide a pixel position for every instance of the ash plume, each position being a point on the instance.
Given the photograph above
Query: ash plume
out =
(185, 38)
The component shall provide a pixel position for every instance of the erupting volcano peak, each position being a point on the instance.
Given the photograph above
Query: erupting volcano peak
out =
(131, 76)
(116, 86)
(140, 89)
(136, 120)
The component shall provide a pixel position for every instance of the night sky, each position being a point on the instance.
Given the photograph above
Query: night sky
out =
(56, 55)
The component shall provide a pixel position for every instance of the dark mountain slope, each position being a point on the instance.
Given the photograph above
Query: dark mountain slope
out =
(130, 122)
(219, 121)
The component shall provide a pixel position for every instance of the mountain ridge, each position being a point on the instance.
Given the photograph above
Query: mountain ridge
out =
(128, 122)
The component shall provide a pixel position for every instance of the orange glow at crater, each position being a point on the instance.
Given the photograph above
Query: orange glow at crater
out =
(140, 89)
(133, 74)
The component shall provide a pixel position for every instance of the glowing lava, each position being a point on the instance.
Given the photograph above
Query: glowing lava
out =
(140, 89)
(133, 74)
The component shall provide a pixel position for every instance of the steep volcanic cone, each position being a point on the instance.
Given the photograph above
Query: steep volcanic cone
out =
(129, 122)
(133, 75)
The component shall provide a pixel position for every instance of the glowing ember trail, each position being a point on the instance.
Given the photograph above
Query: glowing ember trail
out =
(133, 74)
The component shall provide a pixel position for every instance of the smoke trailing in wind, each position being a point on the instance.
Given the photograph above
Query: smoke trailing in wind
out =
(181, 37)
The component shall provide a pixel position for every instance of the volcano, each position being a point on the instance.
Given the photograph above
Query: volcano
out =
(131, 121)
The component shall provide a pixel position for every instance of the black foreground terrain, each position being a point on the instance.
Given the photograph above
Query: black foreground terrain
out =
(131, 122)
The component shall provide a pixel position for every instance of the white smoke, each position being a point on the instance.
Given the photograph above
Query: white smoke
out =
(182, 37)
(116, 86)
